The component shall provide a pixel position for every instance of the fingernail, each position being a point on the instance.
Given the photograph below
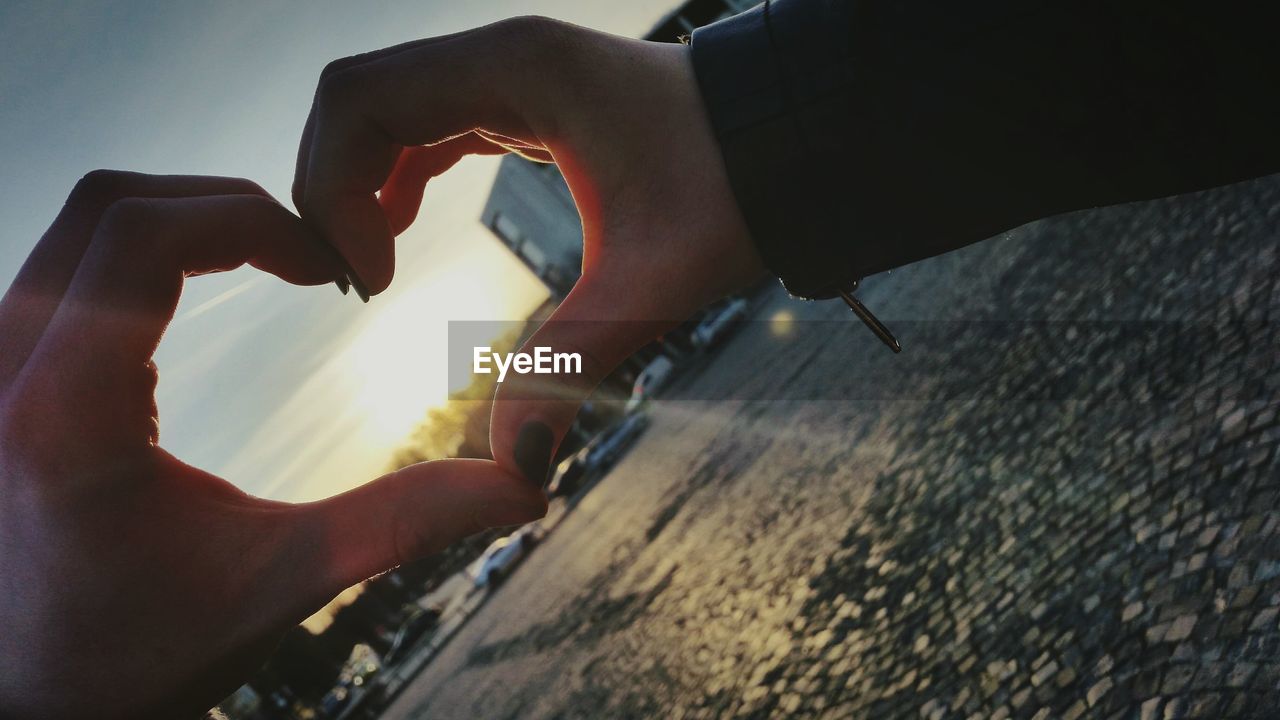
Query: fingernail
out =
(359, 286)
(353, 280)
(533, 451)
(344, 285)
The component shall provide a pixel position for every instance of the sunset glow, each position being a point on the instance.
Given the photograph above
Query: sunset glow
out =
(398, 361)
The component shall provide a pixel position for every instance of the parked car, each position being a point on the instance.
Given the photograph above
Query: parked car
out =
(719, 322)
(531, 535)
(411, 630)
(651, 380)
(611, 444)
(500, 558)
(572, 473)
(579, 468)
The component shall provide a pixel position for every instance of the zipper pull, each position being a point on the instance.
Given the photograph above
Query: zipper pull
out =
(868, 319)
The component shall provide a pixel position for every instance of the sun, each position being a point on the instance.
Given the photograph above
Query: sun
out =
(398, 361)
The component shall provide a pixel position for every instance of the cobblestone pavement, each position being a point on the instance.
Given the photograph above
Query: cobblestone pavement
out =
(1060, 501)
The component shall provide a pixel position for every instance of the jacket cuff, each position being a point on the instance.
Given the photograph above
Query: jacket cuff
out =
(769, 77)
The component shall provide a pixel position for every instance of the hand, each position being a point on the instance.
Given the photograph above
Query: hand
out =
(135, 585)
(624, 121)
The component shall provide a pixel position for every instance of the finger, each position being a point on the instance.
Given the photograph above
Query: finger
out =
(604, 326)
(365, 114)
(415, 512)
(527, 150)
(127, 286)
(538, 156)
(508, 142)
(308, 128)
(38, 289)
(533, 154)
(401, 195)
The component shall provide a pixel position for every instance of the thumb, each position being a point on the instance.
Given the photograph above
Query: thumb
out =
(415, 512)
(599, 323)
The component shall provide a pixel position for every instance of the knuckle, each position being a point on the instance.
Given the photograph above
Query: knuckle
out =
(245, 186)
(339, 89)
(532, 49)
(535, 28)
(128, 217)
(133, 228)
(541, 40)
(412, 540)
(333, 67)
(99, 188)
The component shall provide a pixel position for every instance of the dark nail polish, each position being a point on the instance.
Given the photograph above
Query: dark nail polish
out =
(533, 451)
(353, 280)
(344, 285)
(359, 286)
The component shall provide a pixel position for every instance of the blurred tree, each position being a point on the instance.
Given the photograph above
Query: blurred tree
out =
(459, 428)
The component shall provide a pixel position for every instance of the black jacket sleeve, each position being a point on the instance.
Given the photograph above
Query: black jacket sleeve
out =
(860, 135)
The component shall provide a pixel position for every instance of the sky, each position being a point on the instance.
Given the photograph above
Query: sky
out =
(290, 393)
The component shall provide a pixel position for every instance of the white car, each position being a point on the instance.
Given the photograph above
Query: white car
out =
(718, 322)
(620, 437)
(653, 378)
(500, 558)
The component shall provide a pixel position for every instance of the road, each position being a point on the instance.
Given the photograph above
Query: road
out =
(1059, 501)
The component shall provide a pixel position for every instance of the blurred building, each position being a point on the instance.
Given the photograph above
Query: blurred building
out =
(694, 14)
(531, 212)
(530, 209)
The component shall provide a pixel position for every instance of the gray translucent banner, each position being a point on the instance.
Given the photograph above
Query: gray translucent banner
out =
(783, 359)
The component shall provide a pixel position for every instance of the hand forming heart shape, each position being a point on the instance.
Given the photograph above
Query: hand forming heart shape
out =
(625, 122)
(135, 585)
(138, 586)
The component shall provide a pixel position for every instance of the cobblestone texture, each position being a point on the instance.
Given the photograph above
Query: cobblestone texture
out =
(1066, 510)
